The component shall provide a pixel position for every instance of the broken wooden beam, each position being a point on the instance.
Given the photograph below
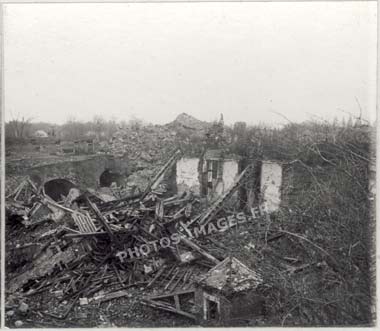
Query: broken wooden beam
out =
(114, 204)
(88, 234)
(178, 280)
(100, 217)
(187, 278)
(169, 273)
(168, 295)
(158, 274)
(168, 307)
(110, 296)
(171, 280)
(157, 178)
(201, 251)
(177, 303)
(47, 200)
(218, 204)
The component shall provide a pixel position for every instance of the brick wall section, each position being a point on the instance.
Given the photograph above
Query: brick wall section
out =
(84, 173)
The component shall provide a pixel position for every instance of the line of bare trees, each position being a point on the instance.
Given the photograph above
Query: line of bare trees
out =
(19, 128)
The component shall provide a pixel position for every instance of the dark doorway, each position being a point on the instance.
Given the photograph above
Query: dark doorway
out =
(58, 188)
(108, 177)
(212, 310)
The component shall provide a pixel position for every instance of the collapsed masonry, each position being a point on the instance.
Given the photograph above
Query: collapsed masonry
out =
(151, 239)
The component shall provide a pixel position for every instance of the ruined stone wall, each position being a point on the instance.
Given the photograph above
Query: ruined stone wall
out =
(230, 173)
(84, 173)
(270, 185)
(187, 175)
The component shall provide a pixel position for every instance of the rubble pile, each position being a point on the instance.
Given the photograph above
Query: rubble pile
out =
(152, 143)
(142, 255)
(142, 144)
(85, 250)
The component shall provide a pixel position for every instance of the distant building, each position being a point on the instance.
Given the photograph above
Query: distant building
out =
(91, 134)
(41, 134)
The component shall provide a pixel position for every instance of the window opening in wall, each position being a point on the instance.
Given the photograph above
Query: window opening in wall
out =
(212, 309)
(215, 169)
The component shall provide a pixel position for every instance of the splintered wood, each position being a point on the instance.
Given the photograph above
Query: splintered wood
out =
(143, 241)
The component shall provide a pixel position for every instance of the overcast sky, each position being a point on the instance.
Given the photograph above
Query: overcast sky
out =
(248, 61)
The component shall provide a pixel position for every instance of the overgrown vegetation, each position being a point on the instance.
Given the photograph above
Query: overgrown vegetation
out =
(317, 253)
(323, 274)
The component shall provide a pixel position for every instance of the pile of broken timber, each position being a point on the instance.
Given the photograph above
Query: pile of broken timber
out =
(81, 252)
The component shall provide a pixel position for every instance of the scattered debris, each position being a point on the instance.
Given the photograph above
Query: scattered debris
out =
(98, 248)
(19, 324)
(23, 308)
(202, 255)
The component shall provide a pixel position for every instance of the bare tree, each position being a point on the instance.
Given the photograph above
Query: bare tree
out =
(135, 123)
(19, 127)
(73, 129)
(99, 125)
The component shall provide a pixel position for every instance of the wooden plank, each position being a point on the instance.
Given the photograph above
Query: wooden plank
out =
(117, 274)
(201, 251)
(177, 202)
(22, 186)
(111, 296)
(217, 205)
(176, 302)
(169, 273)
(178, 280)
(15, 191)
(88, 234)
(158, 274)
(188, 232)
(157, 178)
(168, 295)
(167, 307)
(90, 222)
(32, 185)
(78, 222)
(171, 280)
(100, 217)
(217, 243)
(50, 201)
(159, 211)
(185, 285)
(178, 214)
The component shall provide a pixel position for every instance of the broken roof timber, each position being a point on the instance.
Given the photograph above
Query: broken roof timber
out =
(232, 273)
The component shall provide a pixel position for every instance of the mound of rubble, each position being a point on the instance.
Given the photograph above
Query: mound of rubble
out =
(86, 250)
(150, 257)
